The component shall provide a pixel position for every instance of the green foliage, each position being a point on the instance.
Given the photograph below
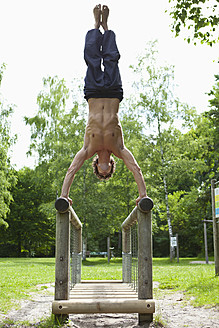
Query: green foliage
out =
(213, 115)
(30, 231)
(44, 126)
(179, 163)
(7, 177)
(157, 103)
(200, 17)
(155, 88)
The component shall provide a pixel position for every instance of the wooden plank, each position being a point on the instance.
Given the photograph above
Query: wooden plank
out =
(102, 286)
(89, 292)
(89, 282)
(102, 297)
(96, 287)
(104, 290)
(103, 306)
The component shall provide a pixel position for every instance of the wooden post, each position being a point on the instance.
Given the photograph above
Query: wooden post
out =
(84, 248)
(206, 242)
(62, 271)
(126, 256)
(215, 229)
(145, 284)
(177, 247)
(108, 249)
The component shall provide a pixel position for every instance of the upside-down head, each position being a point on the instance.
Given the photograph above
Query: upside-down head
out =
(103, 171)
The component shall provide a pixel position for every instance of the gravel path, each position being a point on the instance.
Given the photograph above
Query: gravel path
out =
(171, 309)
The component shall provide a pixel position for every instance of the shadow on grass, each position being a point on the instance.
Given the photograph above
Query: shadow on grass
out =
(182, 261)
(14, 262)
(101, 261)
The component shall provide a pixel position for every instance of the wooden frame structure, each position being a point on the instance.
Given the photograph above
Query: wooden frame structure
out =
(141, 215)
(104, 297)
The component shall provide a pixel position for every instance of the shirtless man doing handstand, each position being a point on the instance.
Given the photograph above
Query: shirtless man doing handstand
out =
(103, 91)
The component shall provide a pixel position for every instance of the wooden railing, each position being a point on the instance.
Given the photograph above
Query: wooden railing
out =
(142, 216)
(143, 305)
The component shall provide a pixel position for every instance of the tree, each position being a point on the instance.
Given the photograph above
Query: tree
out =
(7, 176)
(213, 115)
(200, 17)
(31, 231)
(159, 106)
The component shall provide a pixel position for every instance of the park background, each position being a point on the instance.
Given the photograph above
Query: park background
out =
(169, 118)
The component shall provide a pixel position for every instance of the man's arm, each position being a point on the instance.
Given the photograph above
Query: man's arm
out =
(133, 166)
(76, 164)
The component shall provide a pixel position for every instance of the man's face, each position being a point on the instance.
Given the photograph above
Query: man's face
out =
(104, 168)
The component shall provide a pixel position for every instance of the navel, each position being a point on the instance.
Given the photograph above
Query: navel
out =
(113, 134)
(93, 135)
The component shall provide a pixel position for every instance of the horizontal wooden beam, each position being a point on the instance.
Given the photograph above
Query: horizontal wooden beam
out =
(74, 219)
(103, 306)
(130, 220)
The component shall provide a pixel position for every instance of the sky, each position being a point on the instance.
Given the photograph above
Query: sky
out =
(41, 38)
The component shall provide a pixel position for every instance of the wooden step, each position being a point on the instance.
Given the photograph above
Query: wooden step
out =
(103, 297)
(103, 306)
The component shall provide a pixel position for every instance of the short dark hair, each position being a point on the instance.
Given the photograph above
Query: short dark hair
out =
(98, 174)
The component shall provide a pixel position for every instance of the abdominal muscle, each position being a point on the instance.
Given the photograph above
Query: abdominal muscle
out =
(103, 129)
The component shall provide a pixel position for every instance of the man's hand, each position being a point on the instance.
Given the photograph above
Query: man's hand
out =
(139, 198)
(70, 201)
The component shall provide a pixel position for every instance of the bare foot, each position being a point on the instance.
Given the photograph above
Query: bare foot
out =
(97, 16)
(105, 14)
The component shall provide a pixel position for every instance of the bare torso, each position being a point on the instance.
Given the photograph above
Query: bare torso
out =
(103, 130)
(103, 135)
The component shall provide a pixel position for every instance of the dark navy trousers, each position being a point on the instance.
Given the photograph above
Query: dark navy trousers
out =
(101, 49)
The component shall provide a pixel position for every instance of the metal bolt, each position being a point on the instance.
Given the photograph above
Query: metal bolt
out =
(61, 258)
(61, 282)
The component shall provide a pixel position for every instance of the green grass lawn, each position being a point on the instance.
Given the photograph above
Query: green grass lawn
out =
(197, 280)
(99, 269)
(21, 275)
